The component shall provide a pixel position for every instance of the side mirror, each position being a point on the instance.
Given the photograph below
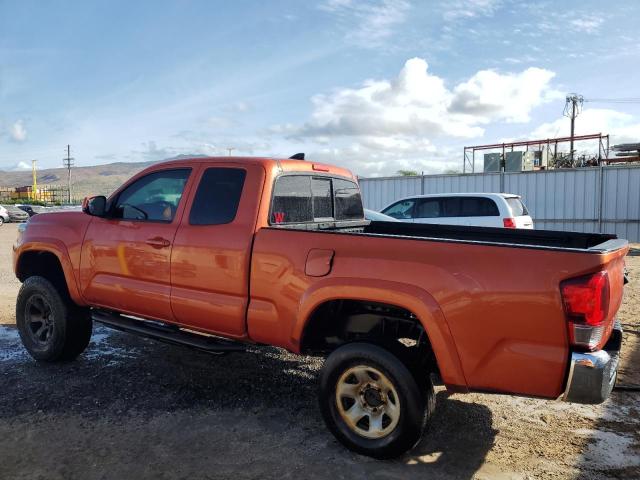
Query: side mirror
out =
(95, 206)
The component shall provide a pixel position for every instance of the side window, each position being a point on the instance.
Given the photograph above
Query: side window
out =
(451, 207)
(428, 208)
(292, 200)
(154, 197)
(218, 196)
(478, 207)
(348, 203)
(400, 210)
(321, 193)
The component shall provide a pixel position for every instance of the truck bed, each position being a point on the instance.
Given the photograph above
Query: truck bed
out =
(548, 239)
(524, 237)
(495, 291)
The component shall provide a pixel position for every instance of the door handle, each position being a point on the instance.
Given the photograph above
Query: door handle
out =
(158, 242)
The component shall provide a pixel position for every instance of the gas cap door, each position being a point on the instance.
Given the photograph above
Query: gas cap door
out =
(319, 262)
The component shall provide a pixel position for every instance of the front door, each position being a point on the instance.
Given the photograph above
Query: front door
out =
(125, 261)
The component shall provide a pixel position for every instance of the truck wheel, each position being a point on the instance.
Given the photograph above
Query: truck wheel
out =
(371, 401)
(51, 326)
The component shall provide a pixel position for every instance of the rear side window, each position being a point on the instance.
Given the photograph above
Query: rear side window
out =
(348, 203)
(429, 208)
(321, 194)
(517, 207)
(478, 207)
(469, 207)
(218, 196)
(451, 207)
(292, 201)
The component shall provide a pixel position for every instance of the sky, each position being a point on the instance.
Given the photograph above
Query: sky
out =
(372, 85)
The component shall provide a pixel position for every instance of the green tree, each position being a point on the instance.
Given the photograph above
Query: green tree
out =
(407, 173)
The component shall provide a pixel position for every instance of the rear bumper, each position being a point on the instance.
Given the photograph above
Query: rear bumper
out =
(592, 375)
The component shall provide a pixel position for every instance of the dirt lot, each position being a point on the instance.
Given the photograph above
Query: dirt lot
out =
(132, 408)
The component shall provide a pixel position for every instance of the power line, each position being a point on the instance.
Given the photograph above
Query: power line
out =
(613, 100)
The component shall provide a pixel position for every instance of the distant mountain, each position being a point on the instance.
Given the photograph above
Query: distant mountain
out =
(93, 180)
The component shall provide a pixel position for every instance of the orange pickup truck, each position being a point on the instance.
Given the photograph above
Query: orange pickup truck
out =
(218, 253)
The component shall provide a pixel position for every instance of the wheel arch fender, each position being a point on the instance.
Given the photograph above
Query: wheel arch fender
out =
(410, 297)
(59, 250)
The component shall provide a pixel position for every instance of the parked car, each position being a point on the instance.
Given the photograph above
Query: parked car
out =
(472, 209)
(377, 216)
(11, 213)
(220, 253)
(32, 209)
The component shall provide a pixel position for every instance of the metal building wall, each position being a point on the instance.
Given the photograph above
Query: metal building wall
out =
(603, 199)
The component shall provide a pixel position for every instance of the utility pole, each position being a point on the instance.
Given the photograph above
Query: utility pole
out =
(68, 163)
(34, 186)
(572, 108)
(230, 149)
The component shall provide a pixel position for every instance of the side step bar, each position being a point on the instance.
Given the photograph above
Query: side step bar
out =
(166, 333)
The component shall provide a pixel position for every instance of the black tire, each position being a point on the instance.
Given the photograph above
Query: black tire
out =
(1, 221)
(415, 401)
(65, 330)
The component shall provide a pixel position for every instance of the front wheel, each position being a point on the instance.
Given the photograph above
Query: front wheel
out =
(371, 401)
(51, 326)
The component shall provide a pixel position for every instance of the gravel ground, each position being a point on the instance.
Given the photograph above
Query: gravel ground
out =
(133, 408)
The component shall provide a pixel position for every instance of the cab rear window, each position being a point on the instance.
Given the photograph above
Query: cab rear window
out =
(306, 199)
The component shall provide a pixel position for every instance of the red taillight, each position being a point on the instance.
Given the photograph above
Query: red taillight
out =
(586, 304)
(509, 222)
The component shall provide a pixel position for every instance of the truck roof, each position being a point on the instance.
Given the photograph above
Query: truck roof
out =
(269, 163)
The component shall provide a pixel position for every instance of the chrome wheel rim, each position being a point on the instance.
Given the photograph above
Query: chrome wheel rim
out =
(367, 401)
(39, 318)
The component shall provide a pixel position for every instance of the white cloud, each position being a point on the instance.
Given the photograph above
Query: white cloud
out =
(18, 132)
(21, 166)
(241, 106)
(587, 24)
(384, 125)
(622, 127)
(461, 9)
(418, 104)
(368, 22)
(489, 95)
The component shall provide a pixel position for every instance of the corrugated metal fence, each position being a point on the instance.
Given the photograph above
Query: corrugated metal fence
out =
(599, 199)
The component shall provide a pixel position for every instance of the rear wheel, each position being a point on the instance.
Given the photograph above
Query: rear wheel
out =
(51, 326)
(372, 402)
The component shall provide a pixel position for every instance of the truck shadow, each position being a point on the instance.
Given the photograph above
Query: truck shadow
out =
(457, 440)
(122, 376)
(634, 252)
